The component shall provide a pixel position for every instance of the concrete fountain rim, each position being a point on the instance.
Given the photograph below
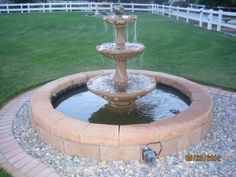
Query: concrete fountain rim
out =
(124, 142)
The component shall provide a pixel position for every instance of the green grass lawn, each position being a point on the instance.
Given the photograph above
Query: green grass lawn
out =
(37, 48)
(4, 173)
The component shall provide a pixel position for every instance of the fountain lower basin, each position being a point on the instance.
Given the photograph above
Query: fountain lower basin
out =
(120, 142)
(138, 85)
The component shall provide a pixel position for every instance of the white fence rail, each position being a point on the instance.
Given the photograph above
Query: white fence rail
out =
(201, 16)
(197, 6)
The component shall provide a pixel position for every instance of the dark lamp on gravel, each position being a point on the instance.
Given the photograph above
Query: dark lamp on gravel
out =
(149, 155)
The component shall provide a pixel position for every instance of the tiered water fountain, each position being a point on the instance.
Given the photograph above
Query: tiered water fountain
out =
(122, 89)
(135, 107)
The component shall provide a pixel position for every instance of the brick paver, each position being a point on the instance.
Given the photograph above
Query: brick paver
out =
(12, 153)
(27, 167)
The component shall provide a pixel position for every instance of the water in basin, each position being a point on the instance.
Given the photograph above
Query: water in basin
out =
(161, 103)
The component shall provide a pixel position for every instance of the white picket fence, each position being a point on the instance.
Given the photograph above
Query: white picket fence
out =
(208, 16)
(201, 16)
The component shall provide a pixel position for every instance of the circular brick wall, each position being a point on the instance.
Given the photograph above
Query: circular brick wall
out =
(124, 142)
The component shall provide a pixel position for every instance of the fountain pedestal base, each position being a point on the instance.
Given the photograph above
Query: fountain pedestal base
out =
(122, 108)
(121, 76)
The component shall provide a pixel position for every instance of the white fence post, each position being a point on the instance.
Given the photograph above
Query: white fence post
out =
(28, 7)
(157, 8)
(152, 8)
(200, 17)
(50, 7)
(8, 9)
(90, 7)
(163, 9)
(132, 7)
(219, 20)
(71, 7)
(169, 12)
(43, 7)
(209, 23)
(96, 8)
(67, 6)
(21, 8)
(110, 7)
(187, 15)
(177, 13)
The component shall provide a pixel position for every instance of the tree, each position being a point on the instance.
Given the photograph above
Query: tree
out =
(215, 3)
(28, 1)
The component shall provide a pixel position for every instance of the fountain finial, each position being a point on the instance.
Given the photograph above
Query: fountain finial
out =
(118, 9)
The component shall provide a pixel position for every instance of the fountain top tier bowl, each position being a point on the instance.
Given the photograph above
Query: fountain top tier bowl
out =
(120, 20)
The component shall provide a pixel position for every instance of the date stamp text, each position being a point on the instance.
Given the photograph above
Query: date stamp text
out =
(202, 158)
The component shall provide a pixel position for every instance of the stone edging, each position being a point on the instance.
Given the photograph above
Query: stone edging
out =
(125, 142)
(12, 156)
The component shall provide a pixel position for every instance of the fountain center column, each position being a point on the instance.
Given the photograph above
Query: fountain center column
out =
(121, 76)
(120, 39)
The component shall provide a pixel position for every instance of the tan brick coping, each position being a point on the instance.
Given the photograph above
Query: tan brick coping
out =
(125, 142)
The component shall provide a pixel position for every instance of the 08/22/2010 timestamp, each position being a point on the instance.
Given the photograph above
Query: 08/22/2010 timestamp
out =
(202, 157)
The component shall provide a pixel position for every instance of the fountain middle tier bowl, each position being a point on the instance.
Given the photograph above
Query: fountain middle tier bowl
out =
(138, 85)
(130, 50)
(120, 20)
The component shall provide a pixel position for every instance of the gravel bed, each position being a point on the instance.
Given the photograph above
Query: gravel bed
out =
(221, 140)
